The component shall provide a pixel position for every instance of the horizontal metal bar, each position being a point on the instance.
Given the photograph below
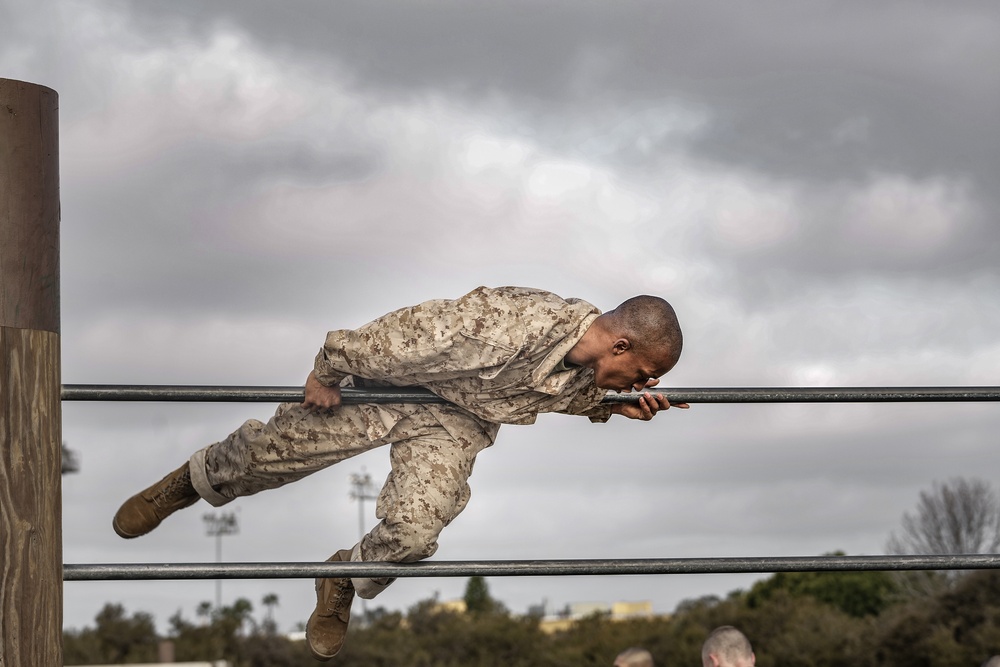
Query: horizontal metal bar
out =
(266, 394)
(523, 568)
(262, 394)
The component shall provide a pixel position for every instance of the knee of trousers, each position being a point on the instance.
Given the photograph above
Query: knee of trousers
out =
(394, 543)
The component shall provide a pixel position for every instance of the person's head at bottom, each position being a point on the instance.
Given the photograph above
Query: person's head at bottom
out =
(634, 657)
(727, 647)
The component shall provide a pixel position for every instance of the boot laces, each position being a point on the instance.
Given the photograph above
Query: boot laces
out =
(343, 589)
(176, 490)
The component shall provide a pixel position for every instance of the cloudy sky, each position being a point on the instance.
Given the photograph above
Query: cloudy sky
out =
(813, 185)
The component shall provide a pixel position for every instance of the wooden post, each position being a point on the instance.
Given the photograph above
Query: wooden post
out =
(30, 405)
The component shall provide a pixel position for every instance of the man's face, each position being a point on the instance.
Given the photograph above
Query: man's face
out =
(624, 369)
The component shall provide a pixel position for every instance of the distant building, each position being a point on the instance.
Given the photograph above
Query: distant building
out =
(621, 611)
(616, 611)
(551, 620)
(455, 606)
(585, 609)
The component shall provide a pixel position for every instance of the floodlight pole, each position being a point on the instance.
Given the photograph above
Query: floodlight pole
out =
(216, 526)
(31, 594)
(362, 489)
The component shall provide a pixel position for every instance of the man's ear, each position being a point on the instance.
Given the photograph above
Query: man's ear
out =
(621, 345)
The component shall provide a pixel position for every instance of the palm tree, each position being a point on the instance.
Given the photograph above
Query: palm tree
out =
(270, 601)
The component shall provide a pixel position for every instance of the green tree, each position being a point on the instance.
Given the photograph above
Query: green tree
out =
(70, 462)
(217, 640)
(117, 638)
(386, 640)
(478, 599)
(857, 594)
(957, 626)
(270, 601)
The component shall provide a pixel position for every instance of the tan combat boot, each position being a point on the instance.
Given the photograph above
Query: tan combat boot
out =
(145, 510)
(327, 627)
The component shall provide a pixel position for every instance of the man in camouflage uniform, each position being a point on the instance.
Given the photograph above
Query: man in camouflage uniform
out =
(498, 355)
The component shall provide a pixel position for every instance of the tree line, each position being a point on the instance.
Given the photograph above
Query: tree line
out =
(819, 619)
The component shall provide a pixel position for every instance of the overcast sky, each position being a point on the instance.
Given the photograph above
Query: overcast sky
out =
(813, 185)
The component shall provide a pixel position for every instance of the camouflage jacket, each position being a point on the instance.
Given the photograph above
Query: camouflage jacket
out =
(493, 352)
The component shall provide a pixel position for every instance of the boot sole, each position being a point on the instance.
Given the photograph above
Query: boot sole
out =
(122, 533)
(322, 657)
(319, 656)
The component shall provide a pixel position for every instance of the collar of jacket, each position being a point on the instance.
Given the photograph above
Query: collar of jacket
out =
(547, 382)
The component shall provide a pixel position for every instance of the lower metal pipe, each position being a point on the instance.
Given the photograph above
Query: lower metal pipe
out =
(523, 568)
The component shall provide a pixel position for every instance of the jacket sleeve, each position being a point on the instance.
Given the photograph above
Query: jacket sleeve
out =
(599, 414)
(404, 343)
(583, 404)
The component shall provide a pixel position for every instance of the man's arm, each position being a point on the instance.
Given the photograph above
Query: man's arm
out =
(395, 346)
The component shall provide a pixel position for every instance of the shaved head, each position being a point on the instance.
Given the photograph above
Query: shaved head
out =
(638, 341)
(727, 647)
(650, 324)
(634, 657)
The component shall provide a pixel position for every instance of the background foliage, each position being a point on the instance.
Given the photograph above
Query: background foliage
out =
(793, 619)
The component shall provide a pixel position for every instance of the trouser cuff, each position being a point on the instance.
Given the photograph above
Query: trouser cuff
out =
(368, 588)
(199, 480)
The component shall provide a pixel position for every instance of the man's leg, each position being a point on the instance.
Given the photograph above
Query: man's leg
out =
(294, 443)
(426, 489)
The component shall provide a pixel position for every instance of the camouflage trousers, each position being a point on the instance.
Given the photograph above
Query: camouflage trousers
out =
(426, 489)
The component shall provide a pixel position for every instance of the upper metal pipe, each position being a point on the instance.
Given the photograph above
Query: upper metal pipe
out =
(269, 394)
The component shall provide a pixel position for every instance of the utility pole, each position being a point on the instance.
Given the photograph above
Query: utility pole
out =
(362, 489)
(216, 526)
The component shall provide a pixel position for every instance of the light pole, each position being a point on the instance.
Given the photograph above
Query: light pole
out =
(362, 489)
(216, 526)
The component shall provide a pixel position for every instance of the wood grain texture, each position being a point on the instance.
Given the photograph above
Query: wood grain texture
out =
(29, 206)
(30, 405)
(30, 499)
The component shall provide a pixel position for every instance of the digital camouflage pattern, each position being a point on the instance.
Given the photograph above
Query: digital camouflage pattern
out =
(426, 489)
(493, 353)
